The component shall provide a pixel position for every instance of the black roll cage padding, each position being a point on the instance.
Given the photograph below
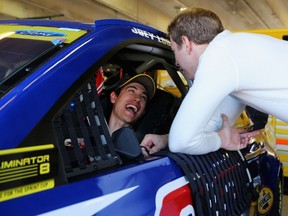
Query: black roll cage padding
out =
(151, 61)
(155, 51)
(171, 70)
(83, 118)
(159, 114)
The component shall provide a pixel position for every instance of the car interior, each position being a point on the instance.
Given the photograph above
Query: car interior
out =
(83, 119)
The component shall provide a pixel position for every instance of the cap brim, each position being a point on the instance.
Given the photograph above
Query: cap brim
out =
(144, 80)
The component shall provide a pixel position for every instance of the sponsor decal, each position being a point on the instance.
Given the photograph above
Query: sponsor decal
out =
(70, 29)
(41, 33)
(265, 200)
(26, 190)
(174, 198)
(150, 35)
(27, 170)
(53, 34)
(91, 206)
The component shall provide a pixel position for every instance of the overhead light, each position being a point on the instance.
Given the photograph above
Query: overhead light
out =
(179, 9)
(182, 8)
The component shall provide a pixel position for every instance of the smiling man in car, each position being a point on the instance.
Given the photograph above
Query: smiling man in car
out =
(129, 101)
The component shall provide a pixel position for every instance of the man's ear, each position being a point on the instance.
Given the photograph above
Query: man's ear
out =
(113, 97)
(187, 44)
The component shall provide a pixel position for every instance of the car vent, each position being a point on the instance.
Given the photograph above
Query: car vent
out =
(219, 181)
(82, 134)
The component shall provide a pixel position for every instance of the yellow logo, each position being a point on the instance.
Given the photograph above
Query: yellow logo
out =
(26, 189)
(265, 200)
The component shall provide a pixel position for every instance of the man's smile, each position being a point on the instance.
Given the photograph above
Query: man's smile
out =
(132, 108)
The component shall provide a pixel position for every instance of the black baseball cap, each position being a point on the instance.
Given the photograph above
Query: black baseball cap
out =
(144, 80)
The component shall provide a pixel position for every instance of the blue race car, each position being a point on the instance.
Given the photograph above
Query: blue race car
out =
(55, 79)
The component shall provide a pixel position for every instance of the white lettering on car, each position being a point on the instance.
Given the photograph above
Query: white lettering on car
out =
(150, 35)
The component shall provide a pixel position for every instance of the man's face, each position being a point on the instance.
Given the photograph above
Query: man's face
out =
(184, 58)
(130, 104)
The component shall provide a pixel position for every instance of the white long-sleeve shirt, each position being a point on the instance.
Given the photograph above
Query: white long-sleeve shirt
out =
(235, 70)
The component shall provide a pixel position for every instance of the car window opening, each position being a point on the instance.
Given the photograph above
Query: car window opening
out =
(81, 129)
(82, 134)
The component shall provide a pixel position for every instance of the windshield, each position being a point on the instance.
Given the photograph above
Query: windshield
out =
(14, 53)
(22, 45)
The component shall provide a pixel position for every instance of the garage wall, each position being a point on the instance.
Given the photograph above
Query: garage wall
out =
(85, 10)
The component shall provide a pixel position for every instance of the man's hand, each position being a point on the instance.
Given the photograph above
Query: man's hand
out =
(153, 143)
(232, 138)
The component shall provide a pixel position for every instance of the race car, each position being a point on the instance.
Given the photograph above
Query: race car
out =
(57, 156)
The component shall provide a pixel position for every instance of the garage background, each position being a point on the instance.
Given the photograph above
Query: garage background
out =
(235, 15)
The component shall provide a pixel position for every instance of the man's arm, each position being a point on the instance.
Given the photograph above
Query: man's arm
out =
(231, 139)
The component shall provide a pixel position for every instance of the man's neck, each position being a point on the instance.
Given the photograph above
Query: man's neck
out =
(115, 123)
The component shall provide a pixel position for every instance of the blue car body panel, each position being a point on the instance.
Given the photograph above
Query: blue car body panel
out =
(133, 179)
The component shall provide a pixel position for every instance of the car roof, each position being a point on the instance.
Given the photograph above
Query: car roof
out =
(51, 23)
(82, 26)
